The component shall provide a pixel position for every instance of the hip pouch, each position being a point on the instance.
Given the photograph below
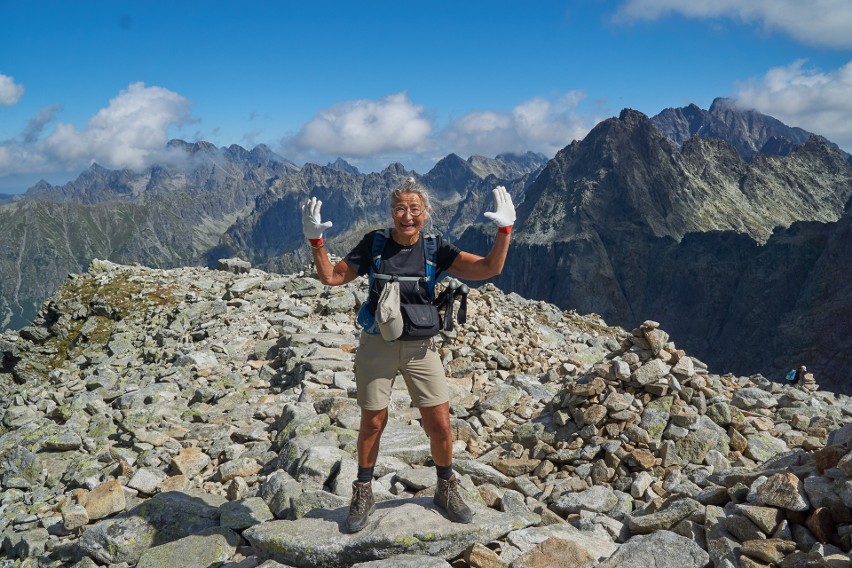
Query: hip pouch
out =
(420, 321)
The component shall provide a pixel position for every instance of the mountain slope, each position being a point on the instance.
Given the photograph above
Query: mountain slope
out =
(165, 216)
(625, 225)
(627, 173)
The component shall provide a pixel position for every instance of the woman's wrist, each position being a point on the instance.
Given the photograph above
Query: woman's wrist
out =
(506, 230)
(317, 244)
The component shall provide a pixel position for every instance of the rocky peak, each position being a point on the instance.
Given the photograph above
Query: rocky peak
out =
(630, 117)
(747, 130)
(450, 176)
(344, 166)
(624, 172)
(193, 148)
(507, 166)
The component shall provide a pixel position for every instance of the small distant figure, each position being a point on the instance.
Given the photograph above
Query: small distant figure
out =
(802, 379)
(800, 374)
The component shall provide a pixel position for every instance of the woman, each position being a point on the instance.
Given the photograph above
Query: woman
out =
(377, 361)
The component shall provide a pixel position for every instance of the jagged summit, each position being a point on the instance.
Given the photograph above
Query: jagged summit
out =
(199, 146)
(749, 131)
(344, 166)
(450, 176)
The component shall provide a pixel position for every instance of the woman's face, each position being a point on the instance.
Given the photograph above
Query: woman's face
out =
(408, 215)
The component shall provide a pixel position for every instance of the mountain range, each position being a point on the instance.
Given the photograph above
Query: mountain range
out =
(727, 226)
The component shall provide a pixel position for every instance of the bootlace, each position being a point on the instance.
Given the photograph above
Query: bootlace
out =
(360, 498)
(454, 498)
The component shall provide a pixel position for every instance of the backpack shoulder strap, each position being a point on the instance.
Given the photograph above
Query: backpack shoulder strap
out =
(430, 256)
(380, 239)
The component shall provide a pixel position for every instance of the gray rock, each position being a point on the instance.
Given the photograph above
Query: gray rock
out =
(278, 492)
(751, 398)
(655, 417)
(26, 544)
(308, 501)
(245, 285)
(417, 478)
(195, 551)
(405, 561)
(314, 469)
(244, 513)
(663, 549)
(396, 527)
(408, 443)
(594, 545)
(481, 473)
(163, 518)
(598, 499)
(665, 518)
(74, 516)
(233, 265)
(650, 372)
(504, 397)
(146, 480)
(762, 447)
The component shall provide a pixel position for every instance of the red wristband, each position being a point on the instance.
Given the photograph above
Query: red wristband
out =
(317, 242)
(507, 229)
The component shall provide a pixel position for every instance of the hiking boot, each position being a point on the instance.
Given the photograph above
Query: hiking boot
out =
(448, 498)
(361, 506)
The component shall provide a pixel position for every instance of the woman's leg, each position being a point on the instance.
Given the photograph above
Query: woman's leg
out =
(436, 423)
(373, 423)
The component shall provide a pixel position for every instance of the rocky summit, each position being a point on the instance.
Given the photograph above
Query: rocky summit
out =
(196, 417)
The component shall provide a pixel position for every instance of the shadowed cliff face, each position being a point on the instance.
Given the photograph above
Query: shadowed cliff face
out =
(739, 306)
(625, 225)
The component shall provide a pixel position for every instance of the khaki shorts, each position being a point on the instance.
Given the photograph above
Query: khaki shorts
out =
(378, 361)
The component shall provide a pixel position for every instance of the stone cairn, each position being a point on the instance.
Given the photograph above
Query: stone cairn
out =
(809, 383)
(193, 417)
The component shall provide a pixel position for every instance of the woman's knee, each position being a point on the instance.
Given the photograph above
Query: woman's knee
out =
(441, 431)
(373, 421)
(436, 423)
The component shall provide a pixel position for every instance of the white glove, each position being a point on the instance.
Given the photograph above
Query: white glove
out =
(505, 214)
(312, 224)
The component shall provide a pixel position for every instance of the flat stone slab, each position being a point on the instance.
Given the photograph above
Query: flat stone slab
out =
(399, 526)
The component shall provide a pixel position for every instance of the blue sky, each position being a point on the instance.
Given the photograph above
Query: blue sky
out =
(378, 82)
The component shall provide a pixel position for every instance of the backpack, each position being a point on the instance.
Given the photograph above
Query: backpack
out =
(366, 316)
(791, 376)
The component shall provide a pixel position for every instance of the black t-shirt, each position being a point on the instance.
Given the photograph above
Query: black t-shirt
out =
(401, 261)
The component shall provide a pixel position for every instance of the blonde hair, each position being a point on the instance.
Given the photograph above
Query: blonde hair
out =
(411, 185)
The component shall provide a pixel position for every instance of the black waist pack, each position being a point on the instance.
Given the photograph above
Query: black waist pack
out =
(420, 321)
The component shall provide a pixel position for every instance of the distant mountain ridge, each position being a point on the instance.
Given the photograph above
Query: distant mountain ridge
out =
(748, 131)
(173, 214)
(734, 242)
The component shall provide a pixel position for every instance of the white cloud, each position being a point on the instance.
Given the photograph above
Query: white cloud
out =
(365, 128)
(815, 22)
(10, 92)
(130, 133)
(815, 100)
(538, 124)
